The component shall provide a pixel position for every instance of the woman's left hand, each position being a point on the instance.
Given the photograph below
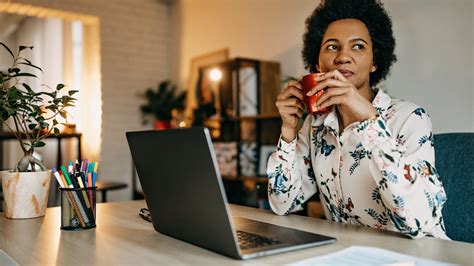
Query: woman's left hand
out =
(342, 93)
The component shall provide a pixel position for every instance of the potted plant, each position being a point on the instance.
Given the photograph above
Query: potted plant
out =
(160, 104)
(31, 115)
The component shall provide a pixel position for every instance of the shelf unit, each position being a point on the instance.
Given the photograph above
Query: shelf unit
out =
(246, 115)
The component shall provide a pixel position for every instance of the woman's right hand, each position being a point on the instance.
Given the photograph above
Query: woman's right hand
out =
(290, 106)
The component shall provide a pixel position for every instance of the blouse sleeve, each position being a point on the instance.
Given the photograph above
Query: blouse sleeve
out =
(403, 167)
(291, 177)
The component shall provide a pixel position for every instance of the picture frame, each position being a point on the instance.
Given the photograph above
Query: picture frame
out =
(226, 155)
(248, 158)
(248, 95)
(265, 153)
(197, 63)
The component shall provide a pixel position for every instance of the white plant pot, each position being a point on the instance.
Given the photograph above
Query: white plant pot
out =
(25, 193)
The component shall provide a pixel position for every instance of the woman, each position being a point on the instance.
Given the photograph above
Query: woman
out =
(371, 158)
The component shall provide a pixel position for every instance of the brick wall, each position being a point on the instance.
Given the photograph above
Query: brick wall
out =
(134, 37)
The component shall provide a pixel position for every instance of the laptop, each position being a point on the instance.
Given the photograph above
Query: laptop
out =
(184, 192)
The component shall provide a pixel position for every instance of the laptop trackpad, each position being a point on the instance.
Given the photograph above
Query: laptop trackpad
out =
(280, 233)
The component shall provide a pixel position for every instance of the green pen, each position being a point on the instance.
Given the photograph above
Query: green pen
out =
(66, 176)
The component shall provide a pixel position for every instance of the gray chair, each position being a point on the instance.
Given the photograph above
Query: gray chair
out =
(454, 153)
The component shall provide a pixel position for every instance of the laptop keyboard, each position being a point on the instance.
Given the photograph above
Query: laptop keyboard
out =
(248, 240)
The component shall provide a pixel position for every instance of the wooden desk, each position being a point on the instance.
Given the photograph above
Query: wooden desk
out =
(123, 237)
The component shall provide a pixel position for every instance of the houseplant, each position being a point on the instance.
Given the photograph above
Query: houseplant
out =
(31, 114)
(160, 104)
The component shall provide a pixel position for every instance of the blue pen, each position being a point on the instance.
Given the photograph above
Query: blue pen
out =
(84, 178)
(94, 173)
(91, 170)
(96, 167)
(94, 176)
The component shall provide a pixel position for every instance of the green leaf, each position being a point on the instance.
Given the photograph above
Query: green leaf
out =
(21, 48)
(56, 131)
(27, 87)
(72, 92)
(32, 126)
(52, 108)
(44, 125)
(14, 70)
(55, 122)
(8, 49)
(25, 107)
(12, 93)
(63, 114)
(50, 94)
(66, 100)
(39, 144)
(60, 86)
(31, 65)
(24, 75)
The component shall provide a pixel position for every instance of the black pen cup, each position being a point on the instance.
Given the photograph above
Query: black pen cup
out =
(78, 207)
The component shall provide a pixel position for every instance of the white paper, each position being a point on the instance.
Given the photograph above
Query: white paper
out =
(360, 255)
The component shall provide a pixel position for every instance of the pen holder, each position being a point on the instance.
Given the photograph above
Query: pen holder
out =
(78, 208)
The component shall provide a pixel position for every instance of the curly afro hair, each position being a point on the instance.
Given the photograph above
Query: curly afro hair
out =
(371, 13)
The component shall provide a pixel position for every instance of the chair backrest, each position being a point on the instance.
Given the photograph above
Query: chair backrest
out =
(454, 153)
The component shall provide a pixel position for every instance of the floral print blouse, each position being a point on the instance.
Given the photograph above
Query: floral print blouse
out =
(378, 173)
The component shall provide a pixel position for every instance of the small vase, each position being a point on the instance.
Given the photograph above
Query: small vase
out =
(162, 125)
(25, 193)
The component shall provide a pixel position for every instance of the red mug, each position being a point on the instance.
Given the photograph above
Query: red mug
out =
(307, 83)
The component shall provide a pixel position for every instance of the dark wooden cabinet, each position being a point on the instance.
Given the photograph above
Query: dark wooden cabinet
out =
(246, 125)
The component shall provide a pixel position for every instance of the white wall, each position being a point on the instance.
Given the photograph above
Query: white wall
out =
(434, 46)
(263, 29)
(5, 58)
(435, 60)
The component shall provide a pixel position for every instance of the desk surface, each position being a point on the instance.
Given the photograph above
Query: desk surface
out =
(123, 237)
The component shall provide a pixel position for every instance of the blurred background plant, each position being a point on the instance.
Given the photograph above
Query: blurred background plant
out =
(160, 103)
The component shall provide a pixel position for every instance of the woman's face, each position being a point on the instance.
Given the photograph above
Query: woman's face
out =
(347, 46)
